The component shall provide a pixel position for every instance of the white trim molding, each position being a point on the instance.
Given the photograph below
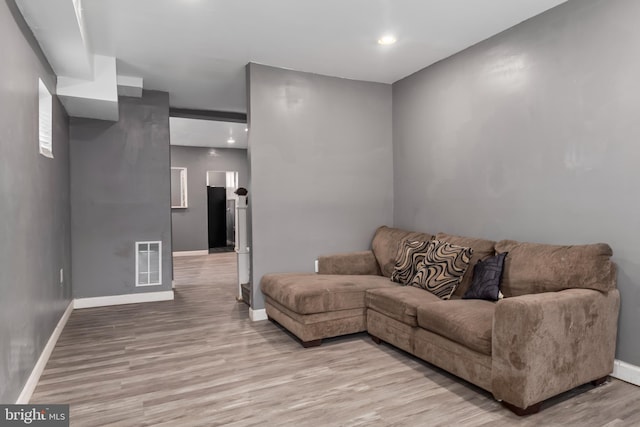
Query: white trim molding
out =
(626, 372)
(191, 253)
(122, 299)
(33, 379)
(257, 315)
(184, 195)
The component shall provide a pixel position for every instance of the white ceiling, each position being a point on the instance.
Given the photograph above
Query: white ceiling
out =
(197, 49)
(206, 133)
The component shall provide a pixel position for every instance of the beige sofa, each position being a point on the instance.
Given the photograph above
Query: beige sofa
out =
(554, 330)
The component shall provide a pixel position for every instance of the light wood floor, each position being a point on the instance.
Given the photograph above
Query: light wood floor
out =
(199, 361)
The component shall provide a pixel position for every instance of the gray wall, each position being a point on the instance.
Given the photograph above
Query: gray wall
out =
(532, 135)
(218, 179)
(321, 167)
(190, 225)
(34, 208)
(120, 194)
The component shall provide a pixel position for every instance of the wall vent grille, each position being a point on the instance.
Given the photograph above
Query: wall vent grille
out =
(148, 263)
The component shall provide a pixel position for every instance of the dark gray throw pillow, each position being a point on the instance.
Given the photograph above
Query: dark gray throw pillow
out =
(487, 275)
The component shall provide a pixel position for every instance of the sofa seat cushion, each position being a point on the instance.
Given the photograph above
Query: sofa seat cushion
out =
(308, 293)
(399, 302)
(467, 322)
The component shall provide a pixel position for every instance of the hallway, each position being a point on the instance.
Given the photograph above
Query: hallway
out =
(216, 269)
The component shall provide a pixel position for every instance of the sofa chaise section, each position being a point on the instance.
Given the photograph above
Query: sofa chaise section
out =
(332, 302)
(318, 306)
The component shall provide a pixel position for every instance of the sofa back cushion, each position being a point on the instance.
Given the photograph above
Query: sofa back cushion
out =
(482, 249)
(532, 268)
(387, 242)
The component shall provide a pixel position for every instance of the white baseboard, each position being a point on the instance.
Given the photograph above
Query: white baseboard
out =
(626, 372)
(257, 315)
(33, 379)
(191, 253)
(122, 299)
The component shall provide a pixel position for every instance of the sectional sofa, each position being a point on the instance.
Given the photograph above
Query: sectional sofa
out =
(555, 328)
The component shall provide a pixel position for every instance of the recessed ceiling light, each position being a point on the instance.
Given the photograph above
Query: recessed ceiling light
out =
(387, 40)
(246, 129)
(231, 141)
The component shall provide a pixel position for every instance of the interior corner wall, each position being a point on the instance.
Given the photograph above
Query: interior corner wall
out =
(34, 208)
(532, 135)
(120, 194)
(190, 227)
(321, 163)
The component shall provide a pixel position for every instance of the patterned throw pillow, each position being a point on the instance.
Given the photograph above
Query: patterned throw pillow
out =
(410, 254)
(487, 275)
(442, 269)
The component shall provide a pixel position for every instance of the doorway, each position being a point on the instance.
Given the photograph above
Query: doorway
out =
(221, 210)
(206, 153)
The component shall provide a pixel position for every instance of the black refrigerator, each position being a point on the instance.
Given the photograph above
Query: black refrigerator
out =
(217, 216)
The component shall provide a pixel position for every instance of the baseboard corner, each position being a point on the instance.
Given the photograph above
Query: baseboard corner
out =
(257, 315)
(38, 368)
(626, 372)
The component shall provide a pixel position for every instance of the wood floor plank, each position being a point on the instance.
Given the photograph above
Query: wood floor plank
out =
(200, 361)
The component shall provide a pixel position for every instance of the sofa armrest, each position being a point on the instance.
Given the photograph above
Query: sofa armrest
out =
(349, 263)
(548, 343)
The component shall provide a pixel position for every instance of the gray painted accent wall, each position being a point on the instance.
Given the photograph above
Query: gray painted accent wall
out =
(120, 194)
(190, 232)
(321, 167)
(532, 135)
(34, 208)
